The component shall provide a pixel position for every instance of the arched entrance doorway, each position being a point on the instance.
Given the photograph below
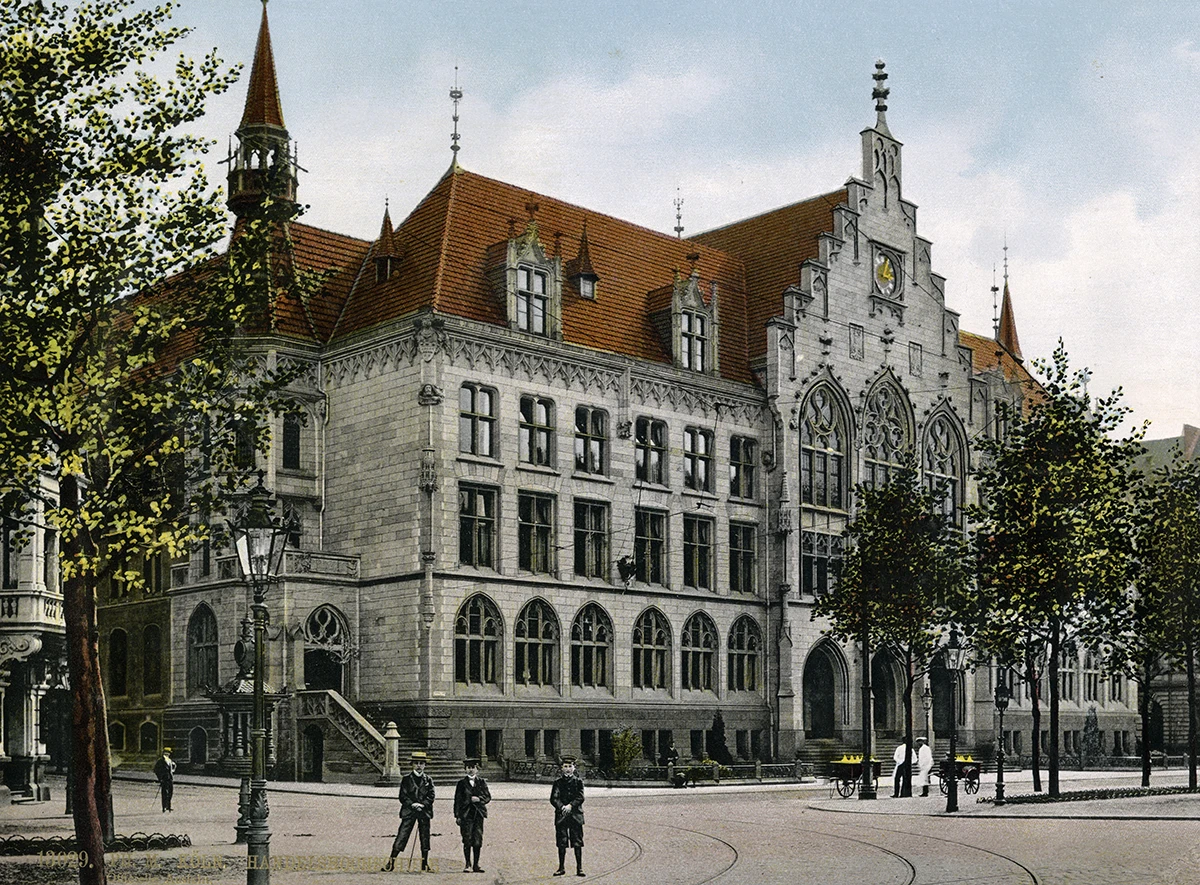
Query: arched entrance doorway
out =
(817, 692)
(312, 754)
(326, 649)
(198, 747)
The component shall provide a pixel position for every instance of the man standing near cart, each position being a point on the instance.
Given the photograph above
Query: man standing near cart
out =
(567, 798)
(416, 807)
(924, 764)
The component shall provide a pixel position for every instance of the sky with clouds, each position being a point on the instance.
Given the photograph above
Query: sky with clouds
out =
(1067, 128)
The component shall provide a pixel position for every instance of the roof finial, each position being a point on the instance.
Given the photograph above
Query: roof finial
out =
(456, 95)
(880, 94)
(995, 307)
(1006, 261)
(678, 214)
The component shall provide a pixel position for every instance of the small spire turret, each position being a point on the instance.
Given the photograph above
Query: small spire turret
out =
(455, 96)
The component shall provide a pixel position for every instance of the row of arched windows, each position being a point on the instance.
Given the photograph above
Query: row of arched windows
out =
(538, 641)
(118, 661)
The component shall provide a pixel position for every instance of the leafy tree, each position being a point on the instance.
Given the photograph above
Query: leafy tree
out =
(1166, 603)
(1053, 536)
(627, 749)
(1093, 741)
(718, 747)
(112, 384)
(904, 573)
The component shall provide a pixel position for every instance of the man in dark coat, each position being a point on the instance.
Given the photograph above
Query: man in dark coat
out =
(416, 807)
(567, 798)
(164, 770)
(471, 798)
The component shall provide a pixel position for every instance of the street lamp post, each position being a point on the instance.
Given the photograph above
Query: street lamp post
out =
(1001, 706)
(260, 540)
(927, 703)
(955, 654)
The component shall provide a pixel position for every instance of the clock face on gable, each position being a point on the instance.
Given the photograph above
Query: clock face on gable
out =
(887, 273)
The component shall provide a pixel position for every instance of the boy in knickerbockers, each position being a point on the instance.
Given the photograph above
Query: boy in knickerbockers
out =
(567, 798)
(416, 808)
(471, 798)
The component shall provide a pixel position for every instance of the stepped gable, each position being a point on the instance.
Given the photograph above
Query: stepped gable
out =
(455, 236)
(772, 246)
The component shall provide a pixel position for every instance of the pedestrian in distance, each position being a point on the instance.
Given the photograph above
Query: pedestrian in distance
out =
(567, 798)
(471, 798)
(902, 758)
(164, 772)
(416, 809)
(671, 757)
(924, 764)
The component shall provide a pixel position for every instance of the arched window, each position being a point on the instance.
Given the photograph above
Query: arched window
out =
(327, 648)
(744, 641)
(291, 442)
(148, 738)
(885, 434)
(118, 663)
(152, 660)
(591, 648)
(942, 461)
(116, 736)
(536, 645)
(477, 642)
(697, 653)
(201, 650)
(823, 452)
(652, 651)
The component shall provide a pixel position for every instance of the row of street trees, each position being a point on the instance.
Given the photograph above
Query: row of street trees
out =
(128, 404)
(1070, 547)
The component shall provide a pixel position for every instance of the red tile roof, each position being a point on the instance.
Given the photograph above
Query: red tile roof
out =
(988, 354)
(1008, 326)
(773, 246)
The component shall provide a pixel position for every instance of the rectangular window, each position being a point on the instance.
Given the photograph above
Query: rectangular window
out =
(531, 742)
(1116, 687)
(587, 742)
(591, 539)
(154, 573)
(536, 432)
(819, 558)
(10, 555)
(550, 742)
(648, 750)
(477, 420)
(649, 546)
(697, 552)
(535, 532)
(291, 442)
(591, 440)
(532, 300)
(697, 459)
(741, 466)
(473, 740)
(245, 444)
(693, 345)
(650, 451)
(493, 742)
(821, 478)
(742, 537)
(476, 526)
(697, 743)
(50, 560)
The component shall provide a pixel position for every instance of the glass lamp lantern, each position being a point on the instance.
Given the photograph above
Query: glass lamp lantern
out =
(260, 540)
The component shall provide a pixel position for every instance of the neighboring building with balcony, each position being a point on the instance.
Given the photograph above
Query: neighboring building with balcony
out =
(561, 474)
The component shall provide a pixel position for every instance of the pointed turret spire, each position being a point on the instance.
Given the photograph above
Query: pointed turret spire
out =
(880, 94)
(263, 160)
(385, 251)
(881, 151)
(1007, 334)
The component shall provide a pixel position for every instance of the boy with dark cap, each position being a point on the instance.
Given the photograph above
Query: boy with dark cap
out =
(567, 798)
(471, 797)
(416, 807)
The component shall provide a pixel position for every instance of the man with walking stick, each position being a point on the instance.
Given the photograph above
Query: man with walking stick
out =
(416, 808)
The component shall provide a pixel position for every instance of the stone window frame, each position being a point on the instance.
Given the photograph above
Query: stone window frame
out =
(592, 648)
(537, 636)
(698, 459)
(651, 659)
(536, 532)
(744, 647)
(478, 526)
(592, 542)
(699, 547)
(650, 546)
(536, 423)
(699, 643)
(743, 473)
(477, 421)
(478, 642)
(650, 450)
(743, 557)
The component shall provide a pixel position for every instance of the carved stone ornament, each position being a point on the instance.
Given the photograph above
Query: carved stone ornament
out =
(430, 395)
(19, 647)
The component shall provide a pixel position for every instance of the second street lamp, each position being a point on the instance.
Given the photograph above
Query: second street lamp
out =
(955, 655)
(260, 540)
(1001, 706)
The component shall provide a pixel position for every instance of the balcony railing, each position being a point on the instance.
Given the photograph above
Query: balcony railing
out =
(295, 563)
(30, 609)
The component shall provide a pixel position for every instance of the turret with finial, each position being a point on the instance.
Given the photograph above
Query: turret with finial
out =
(678, 214)
(455, 96)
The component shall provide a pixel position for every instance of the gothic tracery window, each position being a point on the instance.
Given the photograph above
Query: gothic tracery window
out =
(823, 452)
(942, 463)
(885, 435)
(536, 645)
(477, 633)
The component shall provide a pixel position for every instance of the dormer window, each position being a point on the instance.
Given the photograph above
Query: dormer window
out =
(587, 287)
(532, 300)
(693, 343)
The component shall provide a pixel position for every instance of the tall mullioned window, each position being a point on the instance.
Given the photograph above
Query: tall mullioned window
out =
(591, 648)
(536, 431)
(742, 558)
(201, 651)
(591, 539)
(652, 651)
(591, 440)
(742, 452)
(744, 641)
(697, 651)
(477, 635)
(535, 532)
(477, 420)
(698, 534)
(693, 344)
(650, 450)
(942, 463)
(476, 526)
(536, 645)
(819, 557)
(885, 435)
(697, 459)
(650, 546)
(822, 452)
(533, 300)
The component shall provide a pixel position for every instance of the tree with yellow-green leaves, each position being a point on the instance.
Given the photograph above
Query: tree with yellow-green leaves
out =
(123, 389)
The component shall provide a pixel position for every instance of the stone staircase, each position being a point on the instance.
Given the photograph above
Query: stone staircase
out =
(367, 741)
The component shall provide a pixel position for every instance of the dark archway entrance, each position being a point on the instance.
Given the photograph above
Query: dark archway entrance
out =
(198, 747)
(312, 761)
(883, 689)
(322, 670)
(326, 649)
(817, 692)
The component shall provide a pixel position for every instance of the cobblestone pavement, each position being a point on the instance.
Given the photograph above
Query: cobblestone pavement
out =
(728, 834)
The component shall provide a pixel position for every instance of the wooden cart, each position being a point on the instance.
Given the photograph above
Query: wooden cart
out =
(968, 774)
(845, 774)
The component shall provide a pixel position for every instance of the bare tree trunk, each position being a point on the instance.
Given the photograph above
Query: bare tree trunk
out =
(1052, 678)
(91, 778)
(1035, 744)
(1144, 715)
(1191, 706)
